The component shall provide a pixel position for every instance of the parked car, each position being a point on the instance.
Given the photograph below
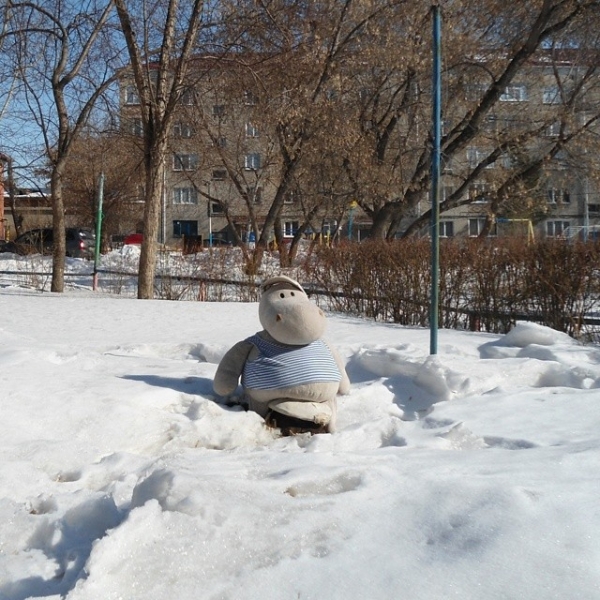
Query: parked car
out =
(134, 239)
(80, 242)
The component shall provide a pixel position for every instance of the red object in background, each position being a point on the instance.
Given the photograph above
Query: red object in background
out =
(134, 238)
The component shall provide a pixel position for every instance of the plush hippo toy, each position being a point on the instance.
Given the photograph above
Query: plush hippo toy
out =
(290, 376)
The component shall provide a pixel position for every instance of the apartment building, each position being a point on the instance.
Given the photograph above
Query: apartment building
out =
(551, 100)
(223, 170)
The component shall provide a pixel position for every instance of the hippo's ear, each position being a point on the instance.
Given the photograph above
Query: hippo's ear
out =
(269, 283)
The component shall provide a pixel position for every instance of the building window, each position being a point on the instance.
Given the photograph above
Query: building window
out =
(553, 130)
(185, 195)
(479, 192)
(446, 192)
(218, 110)
(254, 194)
(556, 228)
(514, 93)
(475, 91)
(509, 161)
(137, 127)
(252, 161)
(131, 95)
(249, 98)
(476, 156)
(185, 162)
(551, 95)
(221, 142)
(507, 125)
(290, 228)
(185, 229)
(216, 208)
(593, 208)
(476, 227)
(251, 130)
(291, 197)
(558, 195)
(219, 174)
(183, 130)
(446, 229)
(187, 97)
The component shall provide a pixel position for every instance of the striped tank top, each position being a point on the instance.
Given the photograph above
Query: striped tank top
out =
(280, 366)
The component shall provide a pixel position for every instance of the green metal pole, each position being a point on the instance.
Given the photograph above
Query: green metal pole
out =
(435, 180)
(98, 230)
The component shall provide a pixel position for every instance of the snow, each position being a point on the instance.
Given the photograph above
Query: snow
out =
(470, 474)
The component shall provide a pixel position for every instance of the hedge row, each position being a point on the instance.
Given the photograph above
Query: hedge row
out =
(484, 285)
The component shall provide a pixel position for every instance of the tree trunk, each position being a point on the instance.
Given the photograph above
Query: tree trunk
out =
(382, 221)
(58, 226)
(152, 213)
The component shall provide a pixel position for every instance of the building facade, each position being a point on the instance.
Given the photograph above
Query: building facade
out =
(223, 169)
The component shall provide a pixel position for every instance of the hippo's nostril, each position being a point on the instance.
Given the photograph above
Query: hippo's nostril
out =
(278, 318)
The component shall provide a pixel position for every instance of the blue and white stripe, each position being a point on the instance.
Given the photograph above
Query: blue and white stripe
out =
(280, 366)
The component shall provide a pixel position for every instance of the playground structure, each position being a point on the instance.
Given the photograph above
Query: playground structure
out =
(514, 227)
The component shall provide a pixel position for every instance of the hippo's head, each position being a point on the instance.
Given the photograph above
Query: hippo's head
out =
(287, 314)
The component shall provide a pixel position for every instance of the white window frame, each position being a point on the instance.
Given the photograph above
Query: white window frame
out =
(185, 195)
(514, 93)
(556, 195)
(551, 95)
(251, 130)
(446, 229)
(185, 162)
(131, 95)
(553, 130)
(475, 156)
(183, 130)
(481, 190)
(290, 228)
(556, 228)
(252, 161)
(479, 222)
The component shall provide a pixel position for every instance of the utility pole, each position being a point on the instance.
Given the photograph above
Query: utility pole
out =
(98, 231)
(435, 180)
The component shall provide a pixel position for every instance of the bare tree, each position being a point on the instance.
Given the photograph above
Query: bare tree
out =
(493, 139)
(56, 52)
(117, 156)
(159, 62)
(289, 60)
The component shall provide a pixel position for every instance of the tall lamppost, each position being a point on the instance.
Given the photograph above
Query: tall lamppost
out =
(209, 213)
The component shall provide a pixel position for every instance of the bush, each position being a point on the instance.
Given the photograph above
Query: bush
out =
(484, 284)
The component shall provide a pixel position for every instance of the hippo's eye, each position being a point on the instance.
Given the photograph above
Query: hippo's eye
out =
(282, 295)
(293, 294)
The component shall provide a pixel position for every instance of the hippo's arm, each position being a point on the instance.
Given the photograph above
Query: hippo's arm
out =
(345, 382)
(230, 368)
